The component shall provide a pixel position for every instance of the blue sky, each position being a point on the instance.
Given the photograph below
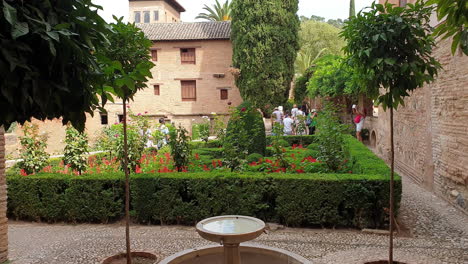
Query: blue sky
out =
(324, 8)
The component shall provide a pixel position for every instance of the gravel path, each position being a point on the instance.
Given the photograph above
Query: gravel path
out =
(439, 235)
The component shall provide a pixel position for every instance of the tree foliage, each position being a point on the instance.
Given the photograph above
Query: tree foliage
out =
(265, 40)
(75, 153)
(219, 12)
(47, 63)
(300, 86)
(454, 14)
(317, 39)
(391, 47)
(333, 77)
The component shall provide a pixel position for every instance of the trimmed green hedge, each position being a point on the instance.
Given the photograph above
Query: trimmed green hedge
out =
(347, 200)
(306, 140)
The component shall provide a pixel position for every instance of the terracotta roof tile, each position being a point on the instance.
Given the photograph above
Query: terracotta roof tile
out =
(187, 31)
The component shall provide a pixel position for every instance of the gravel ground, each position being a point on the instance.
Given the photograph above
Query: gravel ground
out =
(439, 234)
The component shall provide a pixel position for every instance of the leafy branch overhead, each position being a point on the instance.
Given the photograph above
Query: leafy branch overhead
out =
(47, 58)
(390, 47)
(454, 17)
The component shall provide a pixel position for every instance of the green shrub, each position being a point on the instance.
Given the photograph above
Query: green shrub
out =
(33, 149)
(246, 130)
(330, 138)
(283, 143)
(313, 146)
(254, 157)
(180, 147)
(295, 140)
(76, 149)
(210, 144)
(346, 200)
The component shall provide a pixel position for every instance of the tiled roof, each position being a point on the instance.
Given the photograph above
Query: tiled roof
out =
(187, 31)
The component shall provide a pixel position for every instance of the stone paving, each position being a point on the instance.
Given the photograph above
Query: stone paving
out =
(439, 234)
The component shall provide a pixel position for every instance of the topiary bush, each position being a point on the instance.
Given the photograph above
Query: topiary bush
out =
(246, 129)
(254, 157)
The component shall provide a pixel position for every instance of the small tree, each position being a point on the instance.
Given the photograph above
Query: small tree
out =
(391, 47)
(180, 147)
(126, 64)
(33, 153)
(76, 149)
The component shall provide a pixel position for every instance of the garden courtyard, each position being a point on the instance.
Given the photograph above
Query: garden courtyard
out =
(434, 230)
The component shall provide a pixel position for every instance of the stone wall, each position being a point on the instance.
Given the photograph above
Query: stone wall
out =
(431, 131)
(3, 202)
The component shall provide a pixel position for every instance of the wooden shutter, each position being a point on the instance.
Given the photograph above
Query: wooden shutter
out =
(154, 55)
(224, 94)
(187, 56)
(156, 89)
(189, 90)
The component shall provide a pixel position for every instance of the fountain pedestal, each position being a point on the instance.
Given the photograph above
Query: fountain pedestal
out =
(230, 231)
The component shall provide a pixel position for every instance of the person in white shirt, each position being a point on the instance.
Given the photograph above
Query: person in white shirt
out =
(294, 111)
(288, 125)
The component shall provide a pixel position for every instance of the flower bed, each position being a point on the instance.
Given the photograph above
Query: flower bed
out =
(161, 196)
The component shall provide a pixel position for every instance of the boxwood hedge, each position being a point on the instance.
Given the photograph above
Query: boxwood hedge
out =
(343, 200)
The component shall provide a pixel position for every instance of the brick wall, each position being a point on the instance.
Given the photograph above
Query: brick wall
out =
(3, 201)
(431, 131)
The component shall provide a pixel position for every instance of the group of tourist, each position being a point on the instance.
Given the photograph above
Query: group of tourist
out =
(297, 121)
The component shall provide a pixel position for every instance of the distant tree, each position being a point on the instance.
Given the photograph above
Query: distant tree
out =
(265, 44)
(391, 48)
(317, 39)
(317, 18)
(454, 14)
(216, 13)
(332, 78)
(339, 23)
(300, 85)
(352, 8)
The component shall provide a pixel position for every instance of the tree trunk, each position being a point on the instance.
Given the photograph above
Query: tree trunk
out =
(390, 249)
(127, 184)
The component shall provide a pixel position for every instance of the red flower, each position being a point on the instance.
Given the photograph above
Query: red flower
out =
(300, 171)
(220, 163)
(23, 172)
(243, 109)
(205, 168)
(197, 157)
(213, 162)
(138, 169)
(350, 172)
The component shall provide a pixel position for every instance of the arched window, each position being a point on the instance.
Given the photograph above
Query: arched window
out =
(146, 16)
(137, 16)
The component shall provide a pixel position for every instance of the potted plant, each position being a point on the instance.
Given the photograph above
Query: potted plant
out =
(126, 66)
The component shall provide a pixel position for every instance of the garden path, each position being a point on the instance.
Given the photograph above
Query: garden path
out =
(438, 231)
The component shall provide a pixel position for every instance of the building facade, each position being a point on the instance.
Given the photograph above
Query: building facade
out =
(191, 77)
(431, 130)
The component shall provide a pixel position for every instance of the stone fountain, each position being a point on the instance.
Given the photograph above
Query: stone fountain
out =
(230, 231)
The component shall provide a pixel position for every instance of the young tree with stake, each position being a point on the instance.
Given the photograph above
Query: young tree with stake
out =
(391, 48)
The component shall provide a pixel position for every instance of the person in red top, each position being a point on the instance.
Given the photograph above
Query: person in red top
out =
(359, 121)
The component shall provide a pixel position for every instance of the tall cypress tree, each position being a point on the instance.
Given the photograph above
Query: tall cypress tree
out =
(352, 8)
(265, 44)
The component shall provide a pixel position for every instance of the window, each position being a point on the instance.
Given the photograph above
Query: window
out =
(137, 16)
(120, 118)
(154, 55)
(402, 3)
(189, 90)
(224, 94)
(104, 119)
(187, 56)
(156, 89)
(146, 16)
(156, 15)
